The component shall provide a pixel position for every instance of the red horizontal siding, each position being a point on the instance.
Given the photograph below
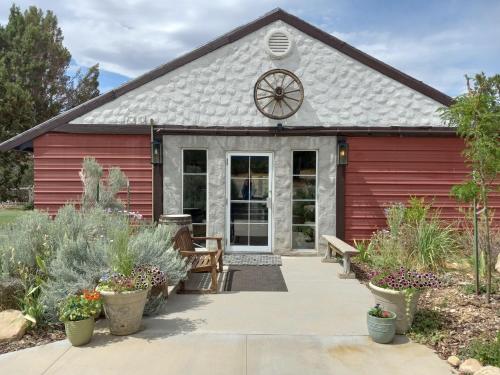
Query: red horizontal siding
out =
(58, 160)
(384, 170)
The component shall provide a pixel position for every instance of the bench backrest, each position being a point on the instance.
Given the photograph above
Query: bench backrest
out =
(183, 240)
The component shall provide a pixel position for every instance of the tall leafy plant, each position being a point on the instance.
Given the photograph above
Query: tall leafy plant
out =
(99, 191)
(476, 117)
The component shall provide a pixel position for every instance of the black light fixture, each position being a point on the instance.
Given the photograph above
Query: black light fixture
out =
(342, 149)
(279, 126)
(156, 152)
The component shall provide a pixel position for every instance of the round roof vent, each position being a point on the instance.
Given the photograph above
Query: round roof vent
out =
(278, 43)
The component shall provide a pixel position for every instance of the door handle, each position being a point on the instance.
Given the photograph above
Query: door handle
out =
(268, 202)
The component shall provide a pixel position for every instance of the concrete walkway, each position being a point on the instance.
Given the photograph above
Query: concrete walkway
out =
(317, 327)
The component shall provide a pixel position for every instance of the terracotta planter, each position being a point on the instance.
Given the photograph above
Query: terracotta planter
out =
(124, 310)
(381, 330)
(397, 302)
(79, 332)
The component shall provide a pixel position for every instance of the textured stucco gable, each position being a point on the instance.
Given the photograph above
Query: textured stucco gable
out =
(217, 90)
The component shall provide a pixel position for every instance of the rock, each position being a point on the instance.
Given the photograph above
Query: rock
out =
(469, 366)
(497, 265)
(12, 325)
(454, 361)
(488, 370)
(10, 290)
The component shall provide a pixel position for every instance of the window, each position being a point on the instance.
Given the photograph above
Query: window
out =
(304, 200)
(194, 189)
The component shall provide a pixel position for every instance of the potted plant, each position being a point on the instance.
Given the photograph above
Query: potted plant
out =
(124, 298)
(381, 324)
(399, 291)
(77, 313)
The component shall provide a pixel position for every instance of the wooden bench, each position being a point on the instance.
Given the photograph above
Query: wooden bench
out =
(340, 249)
(200, 260)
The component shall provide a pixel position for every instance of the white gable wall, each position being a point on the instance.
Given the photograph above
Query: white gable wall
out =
(217, 90)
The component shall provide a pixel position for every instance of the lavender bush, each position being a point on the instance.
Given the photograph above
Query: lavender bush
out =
(403, 279)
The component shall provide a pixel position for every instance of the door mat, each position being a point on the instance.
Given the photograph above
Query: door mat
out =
(254, 279)
(252, 260)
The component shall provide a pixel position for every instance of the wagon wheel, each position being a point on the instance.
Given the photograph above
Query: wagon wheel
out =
(278, 94)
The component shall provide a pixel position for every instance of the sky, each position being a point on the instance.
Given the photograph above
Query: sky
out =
(435, 41)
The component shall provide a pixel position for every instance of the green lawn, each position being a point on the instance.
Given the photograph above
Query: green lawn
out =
(8, 215)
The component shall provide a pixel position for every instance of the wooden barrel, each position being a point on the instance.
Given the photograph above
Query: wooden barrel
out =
(177, 221)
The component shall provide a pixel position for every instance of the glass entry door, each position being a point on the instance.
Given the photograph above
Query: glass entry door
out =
(249, 202)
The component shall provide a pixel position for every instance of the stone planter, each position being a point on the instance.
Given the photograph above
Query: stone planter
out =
(381, 330)
(124, 310)
(79, 332)
(397, 302)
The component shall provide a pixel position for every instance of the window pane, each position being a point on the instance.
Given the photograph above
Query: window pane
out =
(240, 189)
(239, 212)
(195, 197)
(239, 166)
(258, 234)
(260, 189)
(195, 161)
(304, 213)
(303, 237)
(200, 230)
(239, 234)
(259, 166)
(258, 212)
(304, 162)
(304, 187)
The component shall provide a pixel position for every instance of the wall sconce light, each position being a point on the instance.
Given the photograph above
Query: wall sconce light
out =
(342, 149)
(156, 152)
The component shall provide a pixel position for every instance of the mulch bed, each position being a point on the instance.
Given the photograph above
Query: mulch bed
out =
(465, 317)
(35, 337)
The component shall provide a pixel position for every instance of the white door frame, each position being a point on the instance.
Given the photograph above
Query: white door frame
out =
(270, 201)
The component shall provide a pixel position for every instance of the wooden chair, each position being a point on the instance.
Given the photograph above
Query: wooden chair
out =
(201, 260)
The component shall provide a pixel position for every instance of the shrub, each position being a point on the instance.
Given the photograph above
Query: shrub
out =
(99, 192)
(79, 265)
(153, 246)
(427, 327)
(415, 238)
(486, 351)
(28, 238)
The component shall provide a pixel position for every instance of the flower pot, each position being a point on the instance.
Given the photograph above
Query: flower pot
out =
(399, 302)
(79, 332)
(381, 330)
(124, 310)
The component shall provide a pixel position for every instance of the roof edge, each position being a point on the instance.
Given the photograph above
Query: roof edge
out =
(230, 37)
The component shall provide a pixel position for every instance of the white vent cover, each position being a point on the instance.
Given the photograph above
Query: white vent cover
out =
(278, 43)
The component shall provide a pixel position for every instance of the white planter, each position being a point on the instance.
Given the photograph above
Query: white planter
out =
(396, 301)
(124, 310)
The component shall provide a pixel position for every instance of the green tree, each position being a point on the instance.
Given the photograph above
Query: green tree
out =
(34, 83)
(476, 116)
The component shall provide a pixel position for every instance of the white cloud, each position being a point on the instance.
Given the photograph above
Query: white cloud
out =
(130, 37)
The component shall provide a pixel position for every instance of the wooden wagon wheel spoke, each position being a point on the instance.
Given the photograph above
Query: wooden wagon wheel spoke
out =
(270, 101)
(269, 91)
(264, 97)
(279, 84)
(288, 105)
(289, 97)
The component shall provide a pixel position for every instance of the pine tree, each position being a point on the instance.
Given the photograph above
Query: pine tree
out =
(34, 83)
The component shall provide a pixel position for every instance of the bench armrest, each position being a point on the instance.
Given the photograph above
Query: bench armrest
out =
(204, 252)
(208, 238)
